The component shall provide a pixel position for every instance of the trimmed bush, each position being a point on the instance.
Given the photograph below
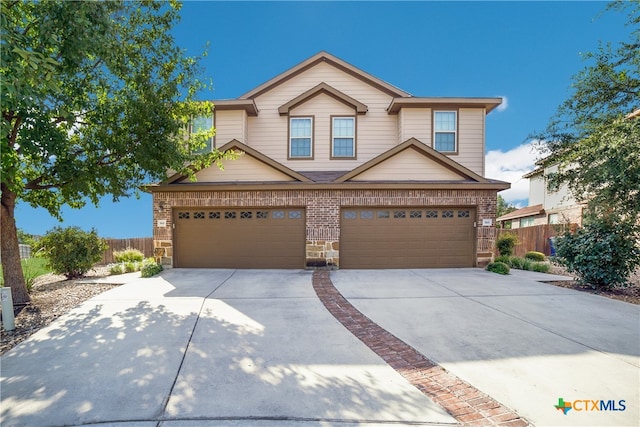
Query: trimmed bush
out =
(150, 268)
(128, 255)
(506, 243)
(498, 267)
(535, 256)
(72, 251)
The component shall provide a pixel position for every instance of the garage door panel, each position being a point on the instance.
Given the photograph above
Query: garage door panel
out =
(399, 237)
(239, 238)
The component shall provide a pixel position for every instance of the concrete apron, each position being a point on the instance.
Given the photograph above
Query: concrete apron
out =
(524, 343)
(205, 347)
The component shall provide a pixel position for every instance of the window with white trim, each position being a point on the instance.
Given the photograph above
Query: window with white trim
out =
(343, 137)
(203, 124)
(445, 134)
(301, 137)
(527, 222)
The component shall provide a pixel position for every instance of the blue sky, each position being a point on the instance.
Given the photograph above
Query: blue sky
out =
(526, 52)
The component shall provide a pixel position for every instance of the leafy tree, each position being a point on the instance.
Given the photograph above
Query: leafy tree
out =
(595, 143)
(71, 251)
(503, 207)
(590, 138)
(96, 100)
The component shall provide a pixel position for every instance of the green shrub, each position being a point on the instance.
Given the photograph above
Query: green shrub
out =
(130, 267)
(72, 251)
(506, 243)
(505, 259)
(540, 267)
(150, 268)
(498, 267)
(527, 264)
(128, 255)
(603, 253)
(116, 269)
(535, 256)
(516, 262)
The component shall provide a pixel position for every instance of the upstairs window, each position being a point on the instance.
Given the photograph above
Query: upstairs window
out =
(203, 124)
(301, 137)
(445, 131)
(343, 137)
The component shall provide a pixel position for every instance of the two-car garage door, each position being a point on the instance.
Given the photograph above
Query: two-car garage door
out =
(386, 237)
(239, 238)
(402, 237)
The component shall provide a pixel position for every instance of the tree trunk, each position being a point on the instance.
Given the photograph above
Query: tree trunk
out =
(9, 249)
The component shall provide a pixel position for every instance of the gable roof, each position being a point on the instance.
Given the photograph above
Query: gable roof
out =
(320, 89)
(248, 151)
(442, 102)
(247, 105)
(422, 148)
(521, 213)
(335, 62)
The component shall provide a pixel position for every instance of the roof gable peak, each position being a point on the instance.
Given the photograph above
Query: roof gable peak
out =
(334, 61)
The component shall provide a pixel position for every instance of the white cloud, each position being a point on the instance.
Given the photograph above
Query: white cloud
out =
(505, 103)
(510, 166)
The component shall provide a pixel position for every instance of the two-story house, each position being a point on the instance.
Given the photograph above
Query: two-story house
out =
(339, 168)
(546, 205)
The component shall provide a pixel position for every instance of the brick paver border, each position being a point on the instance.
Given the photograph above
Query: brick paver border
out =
(464, 402)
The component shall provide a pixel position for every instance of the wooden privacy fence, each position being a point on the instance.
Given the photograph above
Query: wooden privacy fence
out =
(143, 244)
(535, 238)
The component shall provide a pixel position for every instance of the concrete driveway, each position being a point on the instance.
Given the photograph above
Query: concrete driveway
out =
(238, 348)
(523, 342)
(205, 347)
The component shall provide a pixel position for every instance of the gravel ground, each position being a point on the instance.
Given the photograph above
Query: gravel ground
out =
(52, 296)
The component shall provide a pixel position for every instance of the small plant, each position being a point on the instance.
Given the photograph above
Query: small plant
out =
(506, 243)
(498, 267)
(128, 255)
(116, 269)
(540, 267)
(130, 267)
(505, 259)
(516, 262)
(150, 268)
(72, 251)
(535, 256)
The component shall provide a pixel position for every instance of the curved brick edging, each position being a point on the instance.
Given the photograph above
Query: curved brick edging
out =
(463, 401)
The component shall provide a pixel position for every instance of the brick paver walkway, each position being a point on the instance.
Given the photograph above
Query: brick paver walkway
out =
(463, 401)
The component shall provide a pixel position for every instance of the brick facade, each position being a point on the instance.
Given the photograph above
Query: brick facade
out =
(323, 213)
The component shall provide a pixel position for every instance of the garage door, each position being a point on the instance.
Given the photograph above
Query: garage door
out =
(407, 237)
(239, 238)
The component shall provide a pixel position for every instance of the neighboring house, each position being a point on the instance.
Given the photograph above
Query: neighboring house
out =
(546, 206)
(339, 169)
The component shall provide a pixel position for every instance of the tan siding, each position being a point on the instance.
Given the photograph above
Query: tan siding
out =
(230, 125)
(471, 139)
(322, 107)
(416, 123)
(408, 165)
(377, 131)
(243, 169)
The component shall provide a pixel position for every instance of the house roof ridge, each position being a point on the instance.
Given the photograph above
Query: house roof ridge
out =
(324, 56)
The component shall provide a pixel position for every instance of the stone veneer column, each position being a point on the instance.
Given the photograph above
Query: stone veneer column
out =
(323, 230)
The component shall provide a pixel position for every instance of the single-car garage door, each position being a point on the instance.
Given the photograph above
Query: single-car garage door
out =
(404, 237)
(239, 238)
